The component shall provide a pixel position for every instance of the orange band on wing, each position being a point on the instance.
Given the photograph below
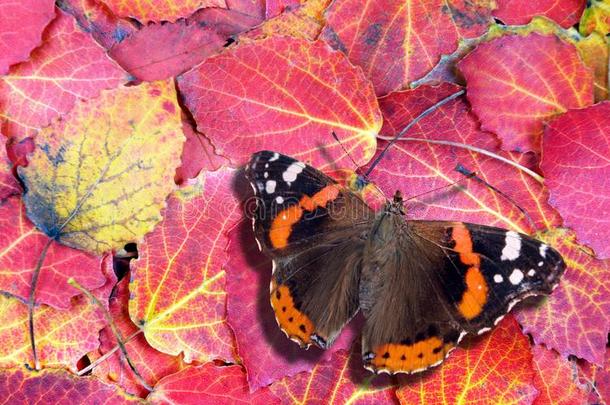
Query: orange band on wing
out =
(402, 358)
(475, 296)
(296, 324)
(281, 227)
(463, 245)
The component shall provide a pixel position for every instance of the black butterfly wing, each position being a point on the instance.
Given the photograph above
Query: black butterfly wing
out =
(314, 230)
(434, 281)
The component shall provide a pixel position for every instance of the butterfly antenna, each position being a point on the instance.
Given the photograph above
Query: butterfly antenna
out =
(472, 175)
(410, 125)
(455, 183)
(346, 152)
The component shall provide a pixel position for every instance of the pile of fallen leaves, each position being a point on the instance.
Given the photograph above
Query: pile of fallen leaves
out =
(122, 225)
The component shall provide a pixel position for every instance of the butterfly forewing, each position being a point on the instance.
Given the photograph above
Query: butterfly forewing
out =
(314, 230)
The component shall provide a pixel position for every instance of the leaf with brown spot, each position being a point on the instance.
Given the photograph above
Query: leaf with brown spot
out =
(178, 295)
(98, 178)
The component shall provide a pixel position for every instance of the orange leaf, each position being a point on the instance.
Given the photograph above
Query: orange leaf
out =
(396, 42)
(516, 83)
(178, 281)
(62, 336)
(19, 386)
(493, 369)
(68, 66)
(288, 95)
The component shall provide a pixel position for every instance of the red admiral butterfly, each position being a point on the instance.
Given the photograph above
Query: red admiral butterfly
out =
(421, 285)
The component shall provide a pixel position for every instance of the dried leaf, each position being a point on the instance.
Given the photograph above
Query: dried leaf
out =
(596, 18)
(99, 177)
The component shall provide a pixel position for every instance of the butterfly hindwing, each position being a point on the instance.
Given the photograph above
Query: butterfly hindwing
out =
(314, 230)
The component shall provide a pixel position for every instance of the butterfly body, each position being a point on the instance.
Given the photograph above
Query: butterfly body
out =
(421, 285)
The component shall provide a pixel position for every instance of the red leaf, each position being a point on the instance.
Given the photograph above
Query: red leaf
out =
(555, 379)
(285, 94)
(150, 363)
(239, 16)
(397, 41)
(178, 281)
(68, 65)
(159, 10)
(21, 29)
(160, 51)
(576, 164)
(20, 247)
(63, 337)
(565, 12)
(18, 386)
(493, 369)
(276, 7)
(8, 182)
(341, 380)
(209, 384)
(515, 83)
(198, 155)
(95, 18)
(416, 168)
(267, 354)
(576, 318)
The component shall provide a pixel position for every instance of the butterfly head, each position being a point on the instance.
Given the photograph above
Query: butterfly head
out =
(397, 204)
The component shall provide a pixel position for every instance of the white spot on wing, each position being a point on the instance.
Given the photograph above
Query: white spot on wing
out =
(540, 264)
(512, 246)
(270, 186)
(293, 171)
(483, 330)
(275, 157)
(498, 278)
(279, 199)
(542, 249)
(531, 273)
(265, 175)
(516, 277)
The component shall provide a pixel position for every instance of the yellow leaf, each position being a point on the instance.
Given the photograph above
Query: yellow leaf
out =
(98, 178)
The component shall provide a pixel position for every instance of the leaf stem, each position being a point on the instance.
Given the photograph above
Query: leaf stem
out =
(107, 354)
(32, 301)
(115, 331)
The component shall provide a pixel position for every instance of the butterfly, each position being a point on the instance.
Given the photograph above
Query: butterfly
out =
(421, 285)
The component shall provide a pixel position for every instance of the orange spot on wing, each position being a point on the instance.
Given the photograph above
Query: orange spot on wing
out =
(282, 224)
(402, 358)
(463, 245)
(475, 296)
(292, 321)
